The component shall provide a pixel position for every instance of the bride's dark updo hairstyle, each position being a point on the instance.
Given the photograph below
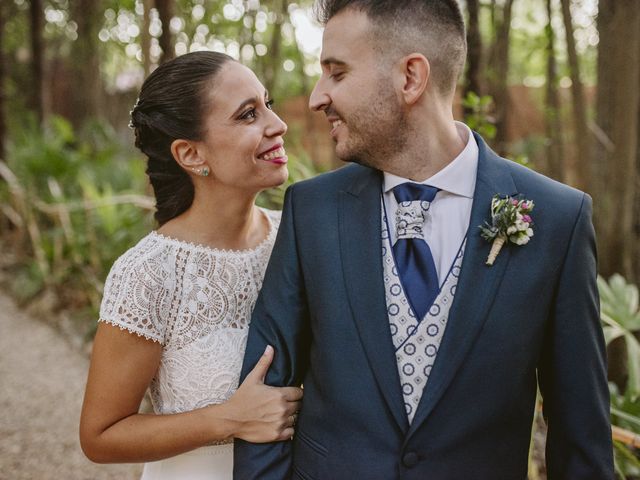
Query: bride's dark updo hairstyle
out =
(171, 106)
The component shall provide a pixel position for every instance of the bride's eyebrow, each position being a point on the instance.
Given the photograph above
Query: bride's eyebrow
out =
(248, 101)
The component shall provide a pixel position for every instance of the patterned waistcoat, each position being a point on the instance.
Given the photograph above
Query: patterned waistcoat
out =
(416, 342)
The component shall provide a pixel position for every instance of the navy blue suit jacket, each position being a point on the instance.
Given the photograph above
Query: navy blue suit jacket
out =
(530, 319)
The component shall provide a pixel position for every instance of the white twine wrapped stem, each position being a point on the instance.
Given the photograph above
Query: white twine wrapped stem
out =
(496, 246)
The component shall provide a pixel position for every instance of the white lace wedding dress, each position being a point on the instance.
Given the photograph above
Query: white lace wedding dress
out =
(196, 301)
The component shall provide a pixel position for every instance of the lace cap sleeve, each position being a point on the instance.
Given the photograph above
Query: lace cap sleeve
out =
(135, 296)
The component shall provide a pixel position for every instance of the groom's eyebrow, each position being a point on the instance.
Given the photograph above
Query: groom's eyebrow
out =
(332, 61)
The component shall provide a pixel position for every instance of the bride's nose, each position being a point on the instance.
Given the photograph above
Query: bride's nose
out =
(276, 126)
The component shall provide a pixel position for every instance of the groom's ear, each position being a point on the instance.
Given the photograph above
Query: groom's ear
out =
(414, 75)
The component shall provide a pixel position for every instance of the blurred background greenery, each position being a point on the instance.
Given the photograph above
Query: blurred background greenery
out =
(551, 84)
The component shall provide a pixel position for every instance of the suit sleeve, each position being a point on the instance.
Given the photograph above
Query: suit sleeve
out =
(280, 319)
(573, 372)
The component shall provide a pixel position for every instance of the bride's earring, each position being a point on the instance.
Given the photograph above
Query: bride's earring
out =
(203, 172)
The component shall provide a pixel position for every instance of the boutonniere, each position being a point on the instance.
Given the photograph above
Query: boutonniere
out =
(510, 220)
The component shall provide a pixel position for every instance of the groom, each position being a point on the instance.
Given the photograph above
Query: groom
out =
(419, 360)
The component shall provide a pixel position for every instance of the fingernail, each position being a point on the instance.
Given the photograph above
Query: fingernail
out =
(268, 350)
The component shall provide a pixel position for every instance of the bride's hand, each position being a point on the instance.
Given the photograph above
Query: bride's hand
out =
(264, 413)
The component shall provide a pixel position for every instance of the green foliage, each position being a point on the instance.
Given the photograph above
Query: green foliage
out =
(621, 320)
(527, 41)
(66, 192)
(627, 466)
(71, 193)
(478, 116)
(260, 34)
(625, 413)
(27, 282)
(521, 151)
(523, 160)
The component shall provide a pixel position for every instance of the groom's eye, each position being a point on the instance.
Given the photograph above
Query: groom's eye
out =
(249, 114)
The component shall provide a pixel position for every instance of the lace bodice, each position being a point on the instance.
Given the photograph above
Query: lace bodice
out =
(197, 302)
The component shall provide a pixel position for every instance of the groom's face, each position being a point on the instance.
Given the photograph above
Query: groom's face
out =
(356, 92)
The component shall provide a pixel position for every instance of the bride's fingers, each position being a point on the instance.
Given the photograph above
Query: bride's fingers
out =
(292, 394)
(259, 372)
(292, 420)
(286, 434)
(292, 408)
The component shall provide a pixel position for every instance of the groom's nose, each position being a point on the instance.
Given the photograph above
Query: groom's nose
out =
(319, 99)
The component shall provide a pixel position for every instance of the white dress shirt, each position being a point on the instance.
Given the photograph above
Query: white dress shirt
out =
(447, 223)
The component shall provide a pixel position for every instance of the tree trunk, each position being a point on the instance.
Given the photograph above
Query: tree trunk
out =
(87, 83)
(636, 229)
(474, 51)
(310, 138)
(3, 125)
(492, 9)
(165, 12)
(248, 37)
(145, 36)
(615, 152)
(578, 167)
(273, 65)
(552, 108)
(500, 68)
(36, 20)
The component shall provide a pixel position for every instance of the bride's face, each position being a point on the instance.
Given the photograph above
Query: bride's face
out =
(242, 142)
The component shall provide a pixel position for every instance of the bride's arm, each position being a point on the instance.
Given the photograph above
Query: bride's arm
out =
(112, 430)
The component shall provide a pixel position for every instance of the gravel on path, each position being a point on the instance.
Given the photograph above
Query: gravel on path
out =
(42, 381)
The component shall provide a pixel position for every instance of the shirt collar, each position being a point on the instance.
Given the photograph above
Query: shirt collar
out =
(458, 177)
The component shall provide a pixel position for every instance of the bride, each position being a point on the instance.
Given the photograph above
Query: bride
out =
(176, 306)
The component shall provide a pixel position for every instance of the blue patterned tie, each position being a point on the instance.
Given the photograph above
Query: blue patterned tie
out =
(413, 257)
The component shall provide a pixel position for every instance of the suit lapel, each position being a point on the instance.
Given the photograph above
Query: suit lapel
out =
(477, 285)
(361, 250)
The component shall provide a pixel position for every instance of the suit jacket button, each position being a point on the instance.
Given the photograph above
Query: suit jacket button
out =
(410, 459)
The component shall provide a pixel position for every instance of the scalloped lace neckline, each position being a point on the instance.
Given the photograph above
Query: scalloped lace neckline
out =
(219, 251)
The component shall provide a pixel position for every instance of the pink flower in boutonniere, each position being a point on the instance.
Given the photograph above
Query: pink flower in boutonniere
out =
(510, 221)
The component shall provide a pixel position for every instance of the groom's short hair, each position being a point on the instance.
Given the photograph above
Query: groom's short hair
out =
(434, 28)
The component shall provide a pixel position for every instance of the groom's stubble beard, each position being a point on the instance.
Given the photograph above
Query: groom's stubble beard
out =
(378, 131)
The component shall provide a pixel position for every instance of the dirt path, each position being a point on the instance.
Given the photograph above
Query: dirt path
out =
(41, 386)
